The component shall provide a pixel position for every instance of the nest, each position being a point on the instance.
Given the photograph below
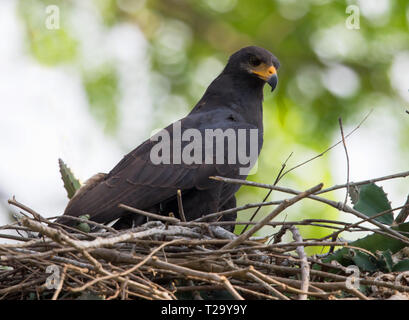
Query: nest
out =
(168, 258)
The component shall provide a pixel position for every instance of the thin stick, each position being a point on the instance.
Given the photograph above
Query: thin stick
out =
(267, 286)
(305, 267)
(328, 149)
(99, 225)
(149, 214)
(268, 193)
(281, 284)
(336, 205)
(111, 276)
(368, 219)
(59, 237)
(60, 284)
(212, 277)
(231, 289)
(403, 174)
(39, 217)
(180, 206)
(232, 210)
(347, 156)
(403, 215)
(357, 293)
(272, 215)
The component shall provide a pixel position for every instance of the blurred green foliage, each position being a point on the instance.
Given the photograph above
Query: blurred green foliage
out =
(327, 70)
(54, 47)
(101, 87)
(49, 47)
(108, 10)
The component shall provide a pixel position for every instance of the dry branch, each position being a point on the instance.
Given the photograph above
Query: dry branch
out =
(163, 259)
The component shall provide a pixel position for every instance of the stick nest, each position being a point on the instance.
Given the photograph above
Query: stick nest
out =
(173, 259)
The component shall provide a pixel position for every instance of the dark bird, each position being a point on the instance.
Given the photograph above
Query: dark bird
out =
(232, 103)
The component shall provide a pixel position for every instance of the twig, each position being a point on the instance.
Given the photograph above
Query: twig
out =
(388, 177)
(305, 268)
(96, 224)
(144, 262)
(268, 287)
(40, 218)
(213, 277)
(328, 149)
(60, 284)
(180, 206)
(357, 293)
(367, 219)
(269, 192)
(101, 242)
(334, 204)
(125, 273)
(403, 215)
(232, 210)
(149, 214)
(347, 157)
(231, 289)
(272, 215)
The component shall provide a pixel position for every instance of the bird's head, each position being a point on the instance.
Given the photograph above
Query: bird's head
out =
(255, 62)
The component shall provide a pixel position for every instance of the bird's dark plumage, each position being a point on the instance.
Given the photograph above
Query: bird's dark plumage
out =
(232, 101)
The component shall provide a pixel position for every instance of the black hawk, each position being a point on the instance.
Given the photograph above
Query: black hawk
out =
(232, 103)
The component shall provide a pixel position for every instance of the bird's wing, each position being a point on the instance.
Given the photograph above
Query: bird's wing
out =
(138, 182)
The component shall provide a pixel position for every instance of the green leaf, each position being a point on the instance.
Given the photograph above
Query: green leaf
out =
(71, 183)
(373, 242)
(353, 192)
(401, 266)
(363, 261)
(373, 200)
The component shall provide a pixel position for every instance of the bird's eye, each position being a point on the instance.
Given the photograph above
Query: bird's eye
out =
(254, 61)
